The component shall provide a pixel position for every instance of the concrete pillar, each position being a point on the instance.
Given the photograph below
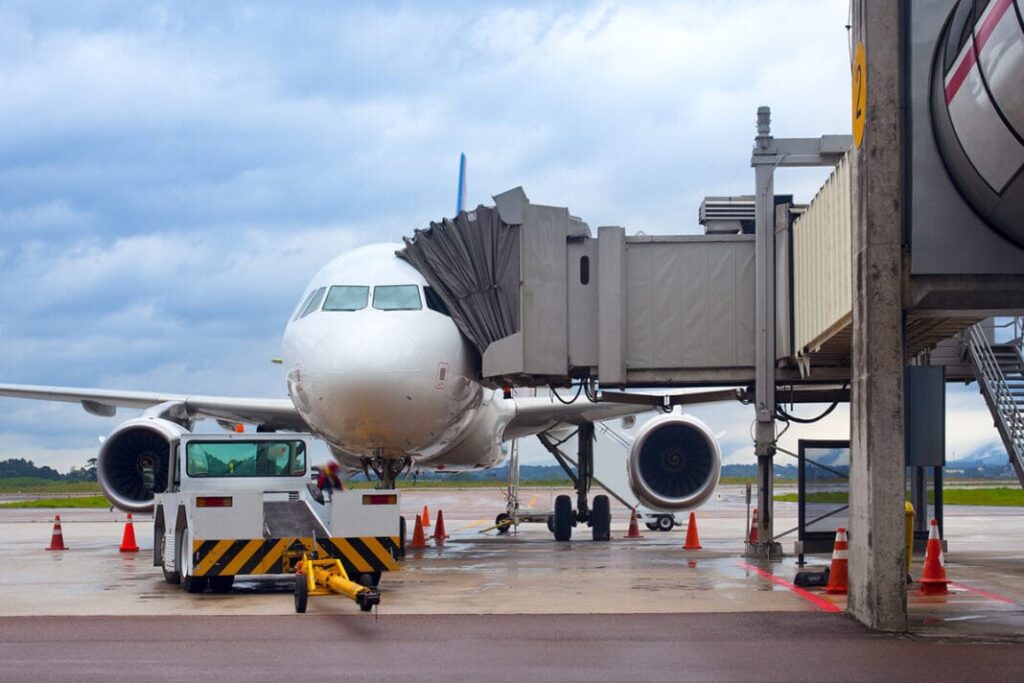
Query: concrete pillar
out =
(878, 591)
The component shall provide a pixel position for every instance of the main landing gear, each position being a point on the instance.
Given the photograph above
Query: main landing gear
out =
(598, 517)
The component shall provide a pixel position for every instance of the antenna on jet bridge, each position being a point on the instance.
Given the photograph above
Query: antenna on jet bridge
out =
(460, 201)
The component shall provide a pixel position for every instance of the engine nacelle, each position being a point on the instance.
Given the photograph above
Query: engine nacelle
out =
(674, 463)
(134, 460)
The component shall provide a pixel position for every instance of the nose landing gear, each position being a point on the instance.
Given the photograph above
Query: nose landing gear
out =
(387, 469)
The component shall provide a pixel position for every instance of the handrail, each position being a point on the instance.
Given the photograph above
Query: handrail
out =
(997, 391)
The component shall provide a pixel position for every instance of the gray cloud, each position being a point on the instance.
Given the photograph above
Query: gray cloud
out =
(173, 173)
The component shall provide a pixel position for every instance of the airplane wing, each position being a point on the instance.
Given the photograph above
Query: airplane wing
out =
(535, 415)
(268, 412)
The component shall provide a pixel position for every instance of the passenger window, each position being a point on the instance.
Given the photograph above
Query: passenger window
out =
(346, 298)
(397, 298)
(314, 303)
(584, 270)
(434, 301)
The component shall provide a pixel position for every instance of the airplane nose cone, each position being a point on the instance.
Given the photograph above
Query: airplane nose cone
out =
(372, 385)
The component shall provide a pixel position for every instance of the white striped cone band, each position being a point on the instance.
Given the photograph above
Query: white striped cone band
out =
(838, 554)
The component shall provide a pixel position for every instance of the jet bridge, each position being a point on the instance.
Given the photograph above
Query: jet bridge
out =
(545, 301)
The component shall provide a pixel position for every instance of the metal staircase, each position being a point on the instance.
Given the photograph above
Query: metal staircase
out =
(999, 369)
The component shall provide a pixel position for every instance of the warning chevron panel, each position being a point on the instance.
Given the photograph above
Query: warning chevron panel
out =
(230, 557)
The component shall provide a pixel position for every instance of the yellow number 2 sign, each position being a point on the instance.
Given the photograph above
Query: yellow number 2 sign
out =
(860, 94)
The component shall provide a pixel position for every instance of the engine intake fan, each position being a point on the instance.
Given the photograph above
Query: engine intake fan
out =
(674, 463)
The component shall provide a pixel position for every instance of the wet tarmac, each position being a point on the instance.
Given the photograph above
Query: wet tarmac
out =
(525, 573)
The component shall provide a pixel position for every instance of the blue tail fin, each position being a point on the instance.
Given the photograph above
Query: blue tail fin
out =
(460, 203)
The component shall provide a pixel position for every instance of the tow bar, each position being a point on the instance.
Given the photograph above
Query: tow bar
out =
(323, 577)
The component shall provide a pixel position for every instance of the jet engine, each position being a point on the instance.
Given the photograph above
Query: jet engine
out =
(674, 463)
(134, 460)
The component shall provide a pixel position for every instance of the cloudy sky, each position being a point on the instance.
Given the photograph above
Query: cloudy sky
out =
(171, 175)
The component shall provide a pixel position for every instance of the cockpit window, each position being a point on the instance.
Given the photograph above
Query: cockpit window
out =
(434, 301)
(314, 302)
(346, 298)
(302, 306)
(397, 298)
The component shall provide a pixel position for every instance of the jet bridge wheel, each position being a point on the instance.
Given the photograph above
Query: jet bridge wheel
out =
(504, 522)
(563, 518)
(601, 518)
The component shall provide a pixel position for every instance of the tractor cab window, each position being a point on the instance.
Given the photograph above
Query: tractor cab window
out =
(238, 458)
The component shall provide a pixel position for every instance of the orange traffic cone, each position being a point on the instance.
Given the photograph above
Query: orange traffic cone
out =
(933, 578)
(418, 541)
(634, 528)
(426, 517)
(439, 534)
(128, 540)
(752, 538)
(57, 539)
(692, 538)
(837, 576)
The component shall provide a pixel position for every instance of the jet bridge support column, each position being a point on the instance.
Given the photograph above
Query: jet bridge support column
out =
(769, 154)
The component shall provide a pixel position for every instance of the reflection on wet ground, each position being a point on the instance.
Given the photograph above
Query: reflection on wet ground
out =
(521, 573)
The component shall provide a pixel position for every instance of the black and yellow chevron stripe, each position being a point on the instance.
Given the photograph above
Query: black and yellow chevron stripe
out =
(228, 557)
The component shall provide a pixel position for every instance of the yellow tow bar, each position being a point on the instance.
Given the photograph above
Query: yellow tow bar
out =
(323, 577)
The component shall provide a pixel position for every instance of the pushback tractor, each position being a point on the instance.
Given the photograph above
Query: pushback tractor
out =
(243, 505)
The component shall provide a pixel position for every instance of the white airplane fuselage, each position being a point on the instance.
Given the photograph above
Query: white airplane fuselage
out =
(380, 373)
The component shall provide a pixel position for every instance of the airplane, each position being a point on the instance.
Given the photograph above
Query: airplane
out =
(377, 369)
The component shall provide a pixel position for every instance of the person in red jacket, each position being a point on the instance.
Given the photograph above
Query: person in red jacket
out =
(328, 480)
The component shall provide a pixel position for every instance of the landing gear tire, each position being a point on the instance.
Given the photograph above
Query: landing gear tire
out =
(665, 523)
(189, 583)
(301, 593)
(601, 518)
(563, 518)
(221, 584)
(504, 522)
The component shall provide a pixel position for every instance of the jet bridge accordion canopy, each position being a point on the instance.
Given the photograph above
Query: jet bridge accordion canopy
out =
(543, 301)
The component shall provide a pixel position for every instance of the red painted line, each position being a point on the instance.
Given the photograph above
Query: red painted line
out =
(960, 73)
(815, 600)
(992, 596)
(984, 31)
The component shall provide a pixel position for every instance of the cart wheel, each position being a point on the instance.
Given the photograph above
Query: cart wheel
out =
(301, 593)
(504, 522)
(665, 523)
(551, 523)
(370, 580)
(651, 526)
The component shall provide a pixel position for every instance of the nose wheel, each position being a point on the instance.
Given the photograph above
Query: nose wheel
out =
(387, 470)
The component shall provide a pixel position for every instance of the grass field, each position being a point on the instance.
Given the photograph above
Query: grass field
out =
(76, 502)
(35, 485)
(998, 496)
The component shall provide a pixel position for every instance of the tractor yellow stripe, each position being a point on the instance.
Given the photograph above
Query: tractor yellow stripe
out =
(382, 554)
(211, 557)
(243, 556)
(355, 558)
(272, 556)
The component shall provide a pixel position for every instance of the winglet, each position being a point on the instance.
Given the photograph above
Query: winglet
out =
(460, 203)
